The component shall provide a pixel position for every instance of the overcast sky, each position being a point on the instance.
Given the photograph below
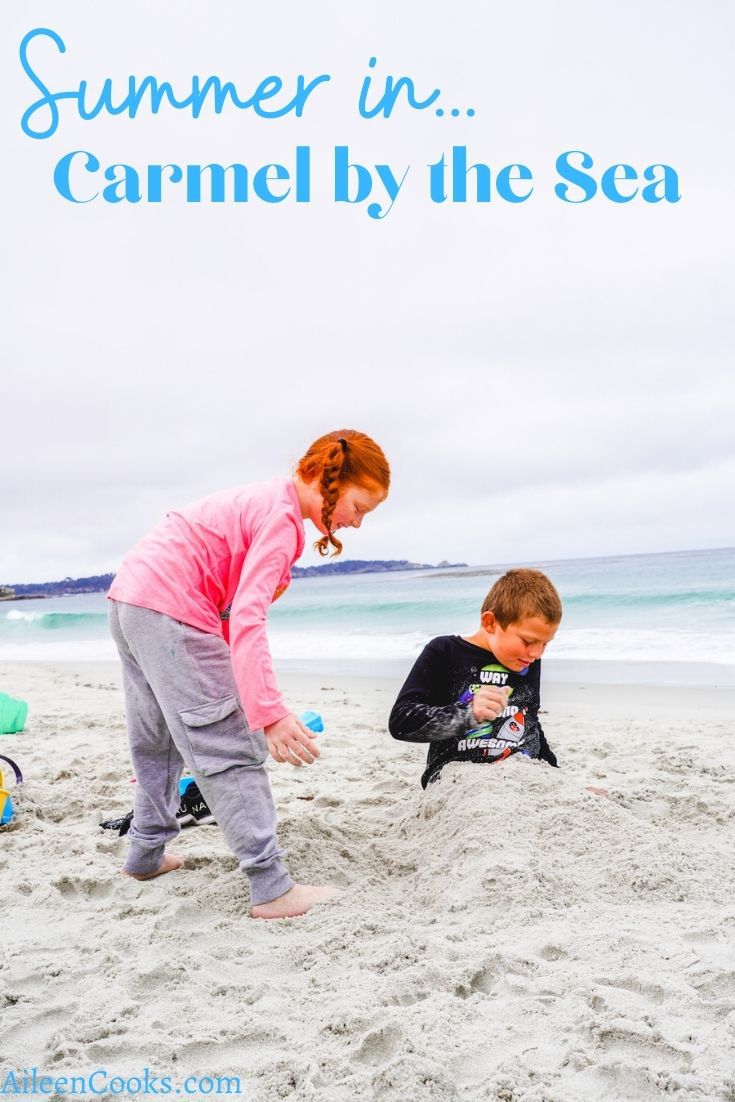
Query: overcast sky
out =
(547, 380)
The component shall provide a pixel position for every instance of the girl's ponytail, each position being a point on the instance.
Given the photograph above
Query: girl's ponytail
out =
(336, 460)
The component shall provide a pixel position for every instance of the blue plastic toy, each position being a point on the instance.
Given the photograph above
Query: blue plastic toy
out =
(313, 721)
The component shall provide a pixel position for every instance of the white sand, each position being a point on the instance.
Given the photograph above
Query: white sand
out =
(506, 935)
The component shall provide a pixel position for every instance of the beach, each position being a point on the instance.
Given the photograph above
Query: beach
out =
(504, 935)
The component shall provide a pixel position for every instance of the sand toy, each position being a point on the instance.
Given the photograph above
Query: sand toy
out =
(313, 721)
(13, 714)
(6, 804)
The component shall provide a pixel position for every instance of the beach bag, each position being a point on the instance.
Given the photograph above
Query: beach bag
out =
(193, 810)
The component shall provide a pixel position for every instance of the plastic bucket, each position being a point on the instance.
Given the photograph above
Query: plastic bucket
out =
(6, 807)
(13, 715)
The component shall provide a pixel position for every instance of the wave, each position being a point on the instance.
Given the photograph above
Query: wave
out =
(90, 650)
(603, 644)
(712, 597)
(679, 657)
(644, 645)
(335, 645)
(55, 620)
(335, 648)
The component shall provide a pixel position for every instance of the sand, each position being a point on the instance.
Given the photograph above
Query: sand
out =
(505, 935)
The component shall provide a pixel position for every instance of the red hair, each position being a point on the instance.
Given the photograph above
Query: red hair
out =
(338, 459)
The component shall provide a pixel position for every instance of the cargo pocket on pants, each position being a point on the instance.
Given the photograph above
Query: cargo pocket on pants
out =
(220, 738)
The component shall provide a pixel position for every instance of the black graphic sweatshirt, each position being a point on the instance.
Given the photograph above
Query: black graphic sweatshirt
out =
(434, 706)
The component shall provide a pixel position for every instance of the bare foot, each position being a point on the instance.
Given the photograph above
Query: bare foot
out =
(297, 901)
(171, 862)
(597, 791)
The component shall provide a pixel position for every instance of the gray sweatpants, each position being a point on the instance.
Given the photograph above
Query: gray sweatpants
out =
(183, 710)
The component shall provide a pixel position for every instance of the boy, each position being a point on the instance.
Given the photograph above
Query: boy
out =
(477, 699)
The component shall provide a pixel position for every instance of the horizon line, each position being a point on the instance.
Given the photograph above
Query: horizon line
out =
(467, 566)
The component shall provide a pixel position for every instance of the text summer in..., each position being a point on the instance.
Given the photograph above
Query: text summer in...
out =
(455, 174)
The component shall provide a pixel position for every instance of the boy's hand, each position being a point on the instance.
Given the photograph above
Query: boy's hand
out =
(289, 740)
(489, 702)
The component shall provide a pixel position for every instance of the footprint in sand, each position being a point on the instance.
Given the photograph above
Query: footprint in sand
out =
(553, 952)
(73, 887)
(379, 1046)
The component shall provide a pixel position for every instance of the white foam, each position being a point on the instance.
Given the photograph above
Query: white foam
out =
(82, 650)
(595, 644)
(628, 645)
(589, 644)
(291, 645)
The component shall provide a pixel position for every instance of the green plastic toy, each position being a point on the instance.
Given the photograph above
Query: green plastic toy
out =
(13, 715)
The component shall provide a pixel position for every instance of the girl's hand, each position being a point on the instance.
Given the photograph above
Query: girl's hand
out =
(488, 703)
(290, 741)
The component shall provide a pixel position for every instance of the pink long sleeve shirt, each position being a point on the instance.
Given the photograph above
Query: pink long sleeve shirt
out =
(231, 551)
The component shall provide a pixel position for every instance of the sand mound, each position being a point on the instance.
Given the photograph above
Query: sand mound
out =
(504, 935)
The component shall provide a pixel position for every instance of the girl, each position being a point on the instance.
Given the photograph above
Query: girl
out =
(206, 575)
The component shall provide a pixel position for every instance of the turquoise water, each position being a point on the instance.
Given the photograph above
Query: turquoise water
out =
(636, 609)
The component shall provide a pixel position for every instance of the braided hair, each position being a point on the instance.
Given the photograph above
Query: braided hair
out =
(340, 458)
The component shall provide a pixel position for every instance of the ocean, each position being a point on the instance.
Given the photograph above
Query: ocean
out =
(663, 618)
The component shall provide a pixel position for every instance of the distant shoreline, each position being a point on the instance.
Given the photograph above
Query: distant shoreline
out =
(100, 583)
(24, 596)
(370, 566)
